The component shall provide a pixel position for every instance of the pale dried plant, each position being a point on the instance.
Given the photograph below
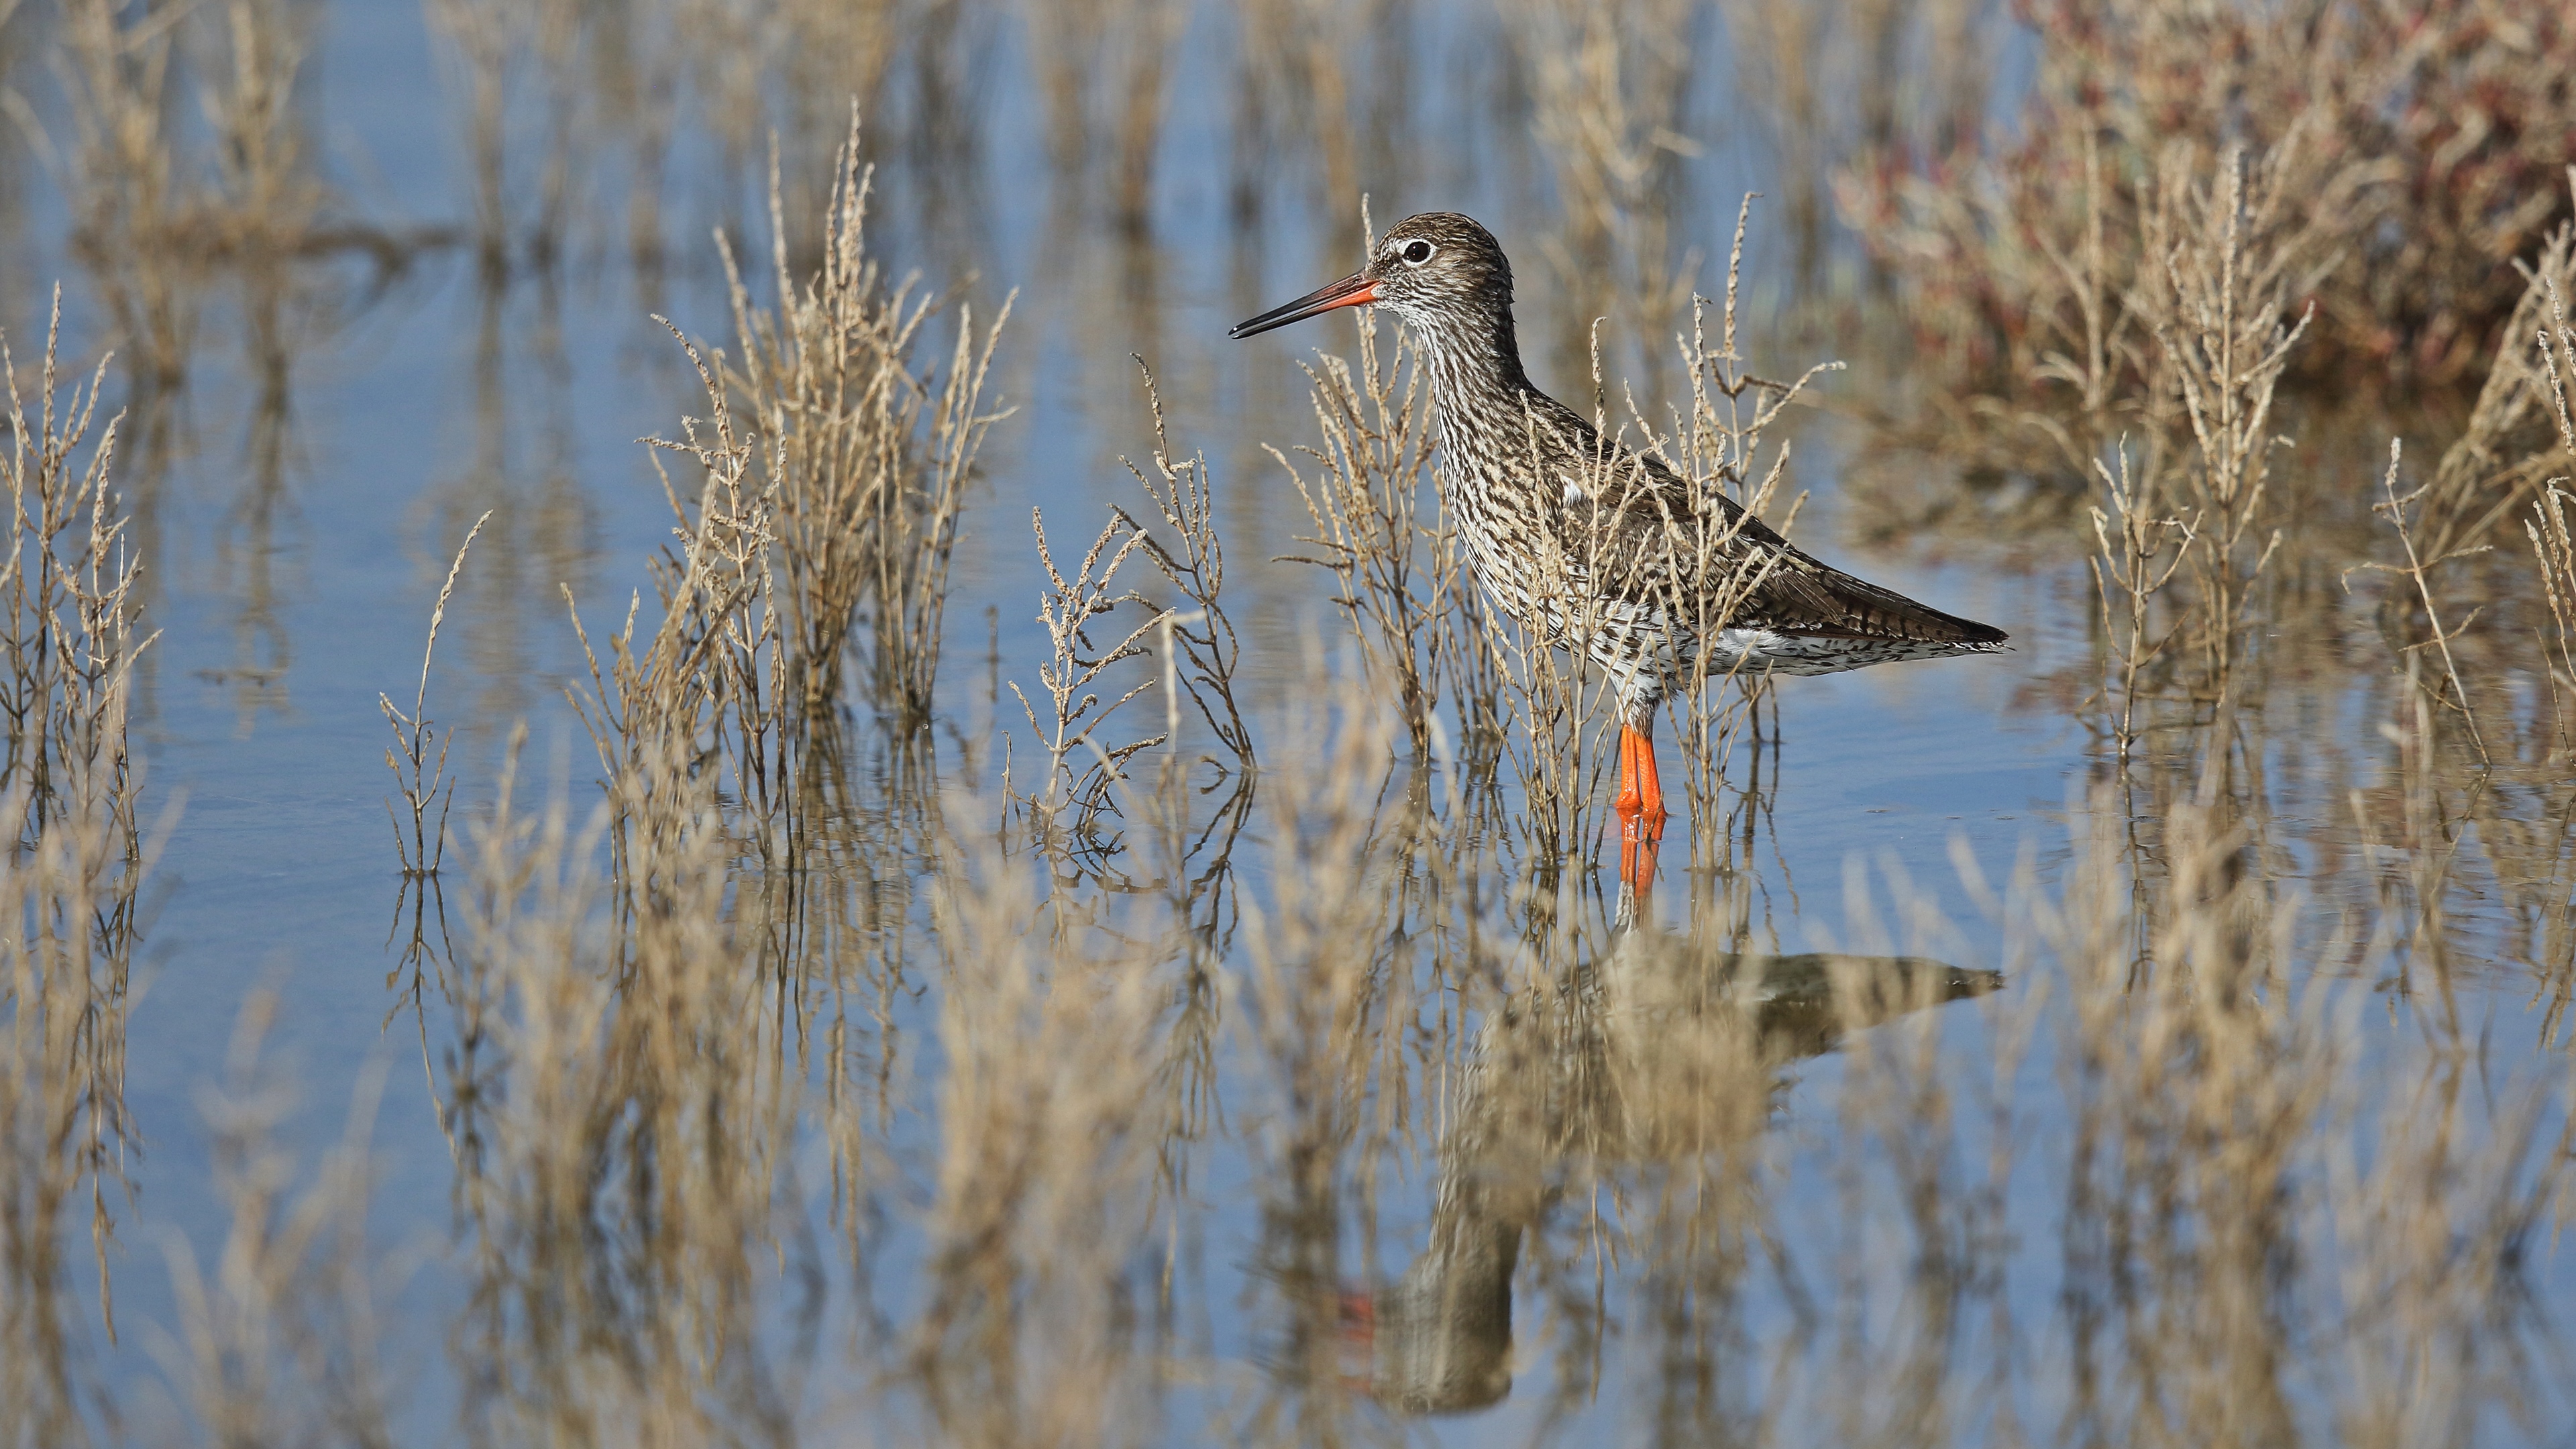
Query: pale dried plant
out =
(1564, 705)
(418, 755)
(1361, 952)
(119, 63)
(1854, 87)
(1610, 87)
(2419, 838)
(69, 582)
(1193, 563)
(870, 457)
(481, 39)
(1300, 79)
(1198, 651)
(2547, 528)
(71, 881)
(2555, 550)
(1903, 1117)
(1970, 220)
(1331, 957)
(494, 48)
(2395, 507)
(278, 1344)
(620, 1104)
(1041, 1194)
(2129, 571)
(1718, 447)
(253, 53)
(1391, 571)
(1191, 855)
(165, 201)
(2250, 1169)
(1082, 766)
(1782, 54)
(2509, 449)
(1104, 67)
(2229, 260)
(706, 685)
(812, 61)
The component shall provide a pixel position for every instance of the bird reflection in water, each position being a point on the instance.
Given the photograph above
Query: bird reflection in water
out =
(1660, 1053)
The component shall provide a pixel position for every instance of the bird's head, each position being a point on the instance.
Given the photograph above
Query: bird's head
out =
(1426, 268)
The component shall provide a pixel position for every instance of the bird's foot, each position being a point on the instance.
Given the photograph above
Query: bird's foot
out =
(1640, 833)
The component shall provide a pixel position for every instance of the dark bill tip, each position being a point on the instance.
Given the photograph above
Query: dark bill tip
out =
(1355, 290)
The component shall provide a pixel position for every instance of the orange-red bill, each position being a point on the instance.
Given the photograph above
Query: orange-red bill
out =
(1355, 290)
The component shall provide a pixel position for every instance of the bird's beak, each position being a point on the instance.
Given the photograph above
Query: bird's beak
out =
(1356, 290)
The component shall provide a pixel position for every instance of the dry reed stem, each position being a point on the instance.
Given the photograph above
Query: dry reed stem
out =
(1193, 563)
(2547, 527)
(2129, 574)
(1199, 653)
(2555, 550)
(1069, 677)
(1364, 505)
(2394, 509)
(706, 686)
(419, 773)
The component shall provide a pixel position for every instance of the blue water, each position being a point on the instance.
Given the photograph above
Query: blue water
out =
(415, 410)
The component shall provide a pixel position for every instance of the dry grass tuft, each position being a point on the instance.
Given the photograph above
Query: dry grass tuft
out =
(2424, 133)
(2506, 449)
(70, 884)
(619, 1105)
(278, 1344)
(1719, 447)
(870, 460)
(2547, 528)
(1609, 90)
(1087, 775)
(2556, 550)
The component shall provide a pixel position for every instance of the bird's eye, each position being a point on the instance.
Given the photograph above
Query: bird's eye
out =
(1416, 253)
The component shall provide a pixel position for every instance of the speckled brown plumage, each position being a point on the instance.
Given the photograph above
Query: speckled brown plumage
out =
(1547, 505)
(1595, 544)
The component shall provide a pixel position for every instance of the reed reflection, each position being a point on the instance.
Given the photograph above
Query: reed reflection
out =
(1661, 1062)
(72, 868)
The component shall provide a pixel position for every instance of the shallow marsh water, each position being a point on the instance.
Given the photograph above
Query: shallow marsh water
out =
(1713, 1185)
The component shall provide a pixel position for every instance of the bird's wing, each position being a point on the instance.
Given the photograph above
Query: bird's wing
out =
(1635, 530)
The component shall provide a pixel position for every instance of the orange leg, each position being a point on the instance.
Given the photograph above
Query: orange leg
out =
(1630, 799)
(1640, 805)
(1359, 1340)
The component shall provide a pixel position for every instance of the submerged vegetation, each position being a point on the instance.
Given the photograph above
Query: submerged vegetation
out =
(1211, 1021)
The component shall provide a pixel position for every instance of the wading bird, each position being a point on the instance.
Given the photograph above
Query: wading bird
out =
(1595, 545)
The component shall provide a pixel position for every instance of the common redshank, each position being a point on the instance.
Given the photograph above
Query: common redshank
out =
(1592, 543)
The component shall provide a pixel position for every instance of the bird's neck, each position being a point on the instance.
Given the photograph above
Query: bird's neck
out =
(1475, 362)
